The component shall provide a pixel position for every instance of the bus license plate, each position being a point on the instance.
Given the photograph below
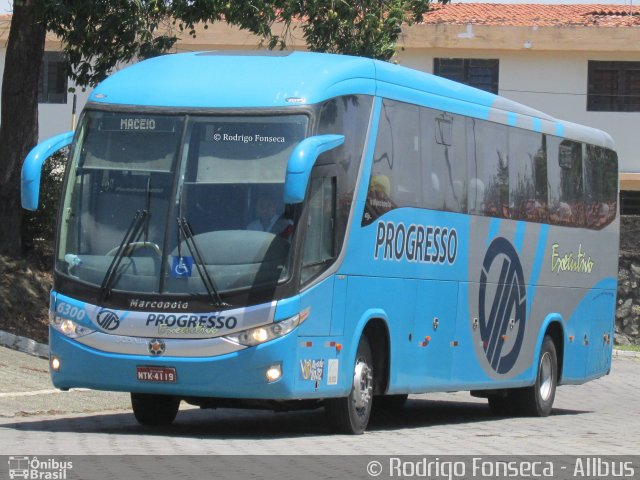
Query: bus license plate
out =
(156, 374)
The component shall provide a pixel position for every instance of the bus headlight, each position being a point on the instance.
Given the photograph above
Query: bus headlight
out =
(258, 335)
(69, 328)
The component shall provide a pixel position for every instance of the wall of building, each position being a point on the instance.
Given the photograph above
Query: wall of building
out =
(553, 82)
(53, 118)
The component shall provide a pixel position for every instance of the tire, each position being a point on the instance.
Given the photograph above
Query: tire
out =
(154, 410)
(351, 414)
(390, 402)
(537, 401)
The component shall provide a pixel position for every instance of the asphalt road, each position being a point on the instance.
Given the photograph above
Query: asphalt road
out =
(598, 418)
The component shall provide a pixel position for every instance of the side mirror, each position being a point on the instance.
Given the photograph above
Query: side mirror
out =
(32, 167)
(301, 162)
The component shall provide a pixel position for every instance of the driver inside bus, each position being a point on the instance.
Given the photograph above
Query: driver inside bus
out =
(268, 219)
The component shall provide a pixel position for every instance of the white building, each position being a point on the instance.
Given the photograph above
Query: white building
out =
(576, 62)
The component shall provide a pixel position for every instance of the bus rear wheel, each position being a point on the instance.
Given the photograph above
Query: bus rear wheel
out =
(537, 401)
(154, 410)
(351, 414)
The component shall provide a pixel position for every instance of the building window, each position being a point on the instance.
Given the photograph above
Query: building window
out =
(613, 87)
(479, 73)
(630, 202)
(52, 86)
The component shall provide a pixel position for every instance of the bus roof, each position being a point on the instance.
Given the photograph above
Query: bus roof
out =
(264, 79)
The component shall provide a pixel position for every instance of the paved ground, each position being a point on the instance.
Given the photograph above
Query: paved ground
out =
(601, 417)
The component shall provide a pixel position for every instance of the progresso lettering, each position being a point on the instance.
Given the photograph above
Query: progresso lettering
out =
(191, 321)
(416, 243)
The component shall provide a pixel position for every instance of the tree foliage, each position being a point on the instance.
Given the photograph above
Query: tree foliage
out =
(363, 28)
(99, 35)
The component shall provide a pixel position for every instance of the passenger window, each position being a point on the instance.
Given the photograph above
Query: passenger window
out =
(444, 173)
(566, 206)
(319, 242)
(600, 186)
(488, 191)
(527, 176)
(395, 176)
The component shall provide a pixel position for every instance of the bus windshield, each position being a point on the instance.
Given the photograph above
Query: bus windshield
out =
(133, 179)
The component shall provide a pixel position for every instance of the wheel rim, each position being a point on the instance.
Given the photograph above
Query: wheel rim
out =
(362, 386)
(545, 377)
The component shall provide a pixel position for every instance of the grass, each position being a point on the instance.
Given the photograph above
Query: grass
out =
(628, 348)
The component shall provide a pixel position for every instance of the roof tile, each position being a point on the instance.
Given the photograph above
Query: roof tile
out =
(541, 15)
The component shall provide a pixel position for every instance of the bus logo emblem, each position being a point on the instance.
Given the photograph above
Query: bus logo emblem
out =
(507, 310)
(156, 347)
(108, 320)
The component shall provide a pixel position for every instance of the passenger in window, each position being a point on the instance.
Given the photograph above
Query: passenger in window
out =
(379, 199)
(269, 220)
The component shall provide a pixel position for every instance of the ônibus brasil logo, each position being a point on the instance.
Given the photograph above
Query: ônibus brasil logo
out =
(507, 309)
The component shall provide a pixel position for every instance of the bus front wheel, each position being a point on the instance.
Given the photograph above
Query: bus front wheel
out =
(537, 400)
(351, 414)
(154, 410)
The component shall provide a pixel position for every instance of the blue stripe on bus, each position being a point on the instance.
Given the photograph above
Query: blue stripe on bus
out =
(537, 124)
(537, 265)
(559, 130)
(519, 237)
(512, 119)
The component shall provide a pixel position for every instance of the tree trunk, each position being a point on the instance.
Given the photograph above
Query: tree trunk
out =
(19, 118)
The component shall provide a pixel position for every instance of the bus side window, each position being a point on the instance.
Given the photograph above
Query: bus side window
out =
(566, 205)
(489, 163)
(319, 241)
(444, 166)
(527, 176)
(600, 189)
(396, 162)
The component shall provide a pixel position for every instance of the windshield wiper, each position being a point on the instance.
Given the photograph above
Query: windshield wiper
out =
(131, 236)
(185, 230)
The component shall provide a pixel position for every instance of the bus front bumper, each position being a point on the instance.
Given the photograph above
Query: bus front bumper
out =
(241, 374)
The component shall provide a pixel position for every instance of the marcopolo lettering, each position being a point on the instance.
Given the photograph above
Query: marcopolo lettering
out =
(416, 243)
(192, 321)
(157, 305)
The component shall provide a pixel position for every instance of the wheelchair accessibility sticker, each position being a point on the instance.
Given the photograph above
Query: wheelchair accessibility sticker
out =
(182, 267)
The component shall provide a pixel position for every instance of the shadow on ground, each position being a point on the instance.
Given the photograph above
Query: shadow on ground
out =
(246, 424)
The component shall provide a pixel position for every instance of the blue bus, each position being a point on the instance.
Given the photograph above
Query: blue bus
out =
(299, 230)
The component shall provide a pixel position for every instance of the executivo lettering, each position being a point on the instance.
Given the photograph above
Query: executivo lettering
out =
(569, 261)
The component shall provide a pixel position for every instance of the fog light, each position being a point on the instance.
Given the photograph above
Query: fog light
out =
(55, 363)
(274, 372)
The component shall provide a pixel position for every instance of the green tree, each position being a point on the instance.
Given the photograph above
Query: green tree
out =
(98, 35)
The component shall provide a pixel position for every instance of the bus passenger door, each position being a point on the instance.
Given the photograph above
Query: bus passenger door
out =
(433, 331)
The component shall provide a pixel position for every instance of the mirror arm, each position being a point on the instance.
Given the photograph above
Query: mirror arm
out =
(301, 162)
(32, 167)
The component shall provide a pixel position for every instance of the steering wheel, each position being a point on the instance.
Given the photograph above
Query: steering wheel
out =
(130, 247)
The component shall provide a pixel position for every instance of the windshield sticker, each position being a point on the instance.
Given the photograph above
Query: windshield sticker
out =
(416, 243)
(182, 267)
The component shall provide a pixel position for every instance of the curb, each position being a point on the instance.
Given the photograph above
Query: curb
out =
(625, 353)
(24, 345)
(31, 347)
